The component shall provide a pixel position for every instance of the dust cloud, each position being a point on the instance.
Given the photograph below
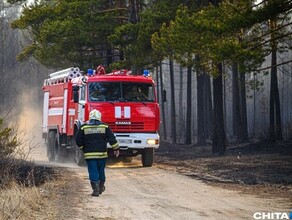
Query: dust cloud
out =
(29, 130)
(29, 123)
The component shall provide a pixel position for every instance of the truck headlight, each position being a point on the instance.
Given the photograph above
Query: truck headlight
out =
(152, 141)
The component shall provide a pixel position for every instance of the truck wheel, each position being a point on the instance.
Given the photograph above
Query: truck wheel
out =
(51, 146)
(147, 157)
(79, 158)
(60, 152)
(54, 151)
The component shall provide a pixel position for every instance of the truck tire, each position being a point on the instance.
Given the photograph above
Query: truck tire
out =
(60, 152)
(79, 158)
(51, 146)
(147, 157)
(54, 151)
(78, 154)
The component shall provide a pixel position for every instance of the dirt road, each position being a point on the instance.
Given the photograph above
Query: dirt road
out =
(151, 193)
(134, 192)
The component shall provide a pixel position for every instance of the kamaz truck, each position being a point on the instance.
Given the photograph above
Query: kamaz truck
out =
(127, 102)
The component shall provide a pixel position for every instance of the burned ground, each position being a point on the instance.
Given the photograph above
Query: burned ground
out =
(259, 168)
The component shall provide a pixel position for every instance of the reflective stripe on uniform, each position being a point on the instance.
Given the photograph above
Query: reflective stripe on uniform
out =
(93, 155)
(94, 126)
(116, 145)
(94, 131)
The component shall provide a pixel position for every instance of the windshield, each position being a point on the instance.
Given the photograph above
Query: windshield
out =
(120, 91)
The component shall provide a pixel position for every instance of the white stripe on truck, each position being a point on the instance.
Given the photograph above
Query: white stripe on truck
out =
(118, 112)
(127, 112)
(55, 111)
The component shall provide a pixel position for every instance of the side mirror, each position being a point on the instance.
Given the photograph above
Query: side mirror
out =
(82, 102)
(164, 95)
(75, 94)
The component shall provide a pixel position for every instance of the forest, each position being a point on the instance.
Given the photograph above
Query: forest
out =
(226, 66)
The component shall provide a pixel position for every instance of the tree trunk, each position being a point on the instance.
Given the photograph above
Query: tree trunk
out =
(244, 131)
(172, 101)
(188, 139)
(157, 84)
(204, 108)
(162, 112)
(275, 109)
(133, 11)
(272, 113)
(109, 57)
(236, 114)
(181, 117)
(208, 109)
(278, 109)
(2, 49)
(201, 108)
(275, 132)
(219, 136)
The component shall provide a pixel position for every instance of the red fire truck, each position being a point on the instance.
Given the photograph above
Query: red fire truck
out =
(128, 104)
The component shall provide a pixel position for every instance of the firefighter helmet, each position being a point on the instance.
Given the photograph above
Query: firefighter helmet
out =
(95, 114)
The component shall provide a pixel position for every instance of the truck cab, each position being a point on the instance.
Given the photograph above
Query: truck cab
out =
(128, 105)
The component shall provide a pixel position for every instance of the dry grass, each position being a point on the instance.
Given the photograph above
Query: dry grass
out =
(33, 202)
(27, 191)
(26, 203)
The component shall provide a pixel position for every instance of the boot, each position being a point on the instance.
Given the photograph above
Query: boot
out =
(95, 187)
(101, 187)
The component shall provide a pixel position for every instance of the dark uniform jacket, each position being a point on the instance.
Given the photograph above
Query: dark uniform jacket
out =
(92, 139)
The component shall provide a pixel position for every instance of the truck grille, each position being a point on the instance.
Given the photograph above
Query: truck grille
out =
(122, 127)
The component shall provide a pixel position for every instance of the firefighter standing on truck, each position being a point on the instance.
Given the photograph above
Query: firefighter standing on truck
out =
(92, 138)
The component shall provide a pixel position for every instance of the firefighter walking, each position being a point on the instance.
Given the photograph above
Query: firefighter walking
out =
(92, 139)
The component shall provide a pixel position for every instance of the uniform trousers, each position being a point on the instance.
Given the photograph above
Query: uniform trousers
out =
(96, 169)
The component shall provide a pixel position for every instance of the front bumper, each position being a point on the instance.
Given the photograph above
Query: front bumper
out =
(137, 141)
